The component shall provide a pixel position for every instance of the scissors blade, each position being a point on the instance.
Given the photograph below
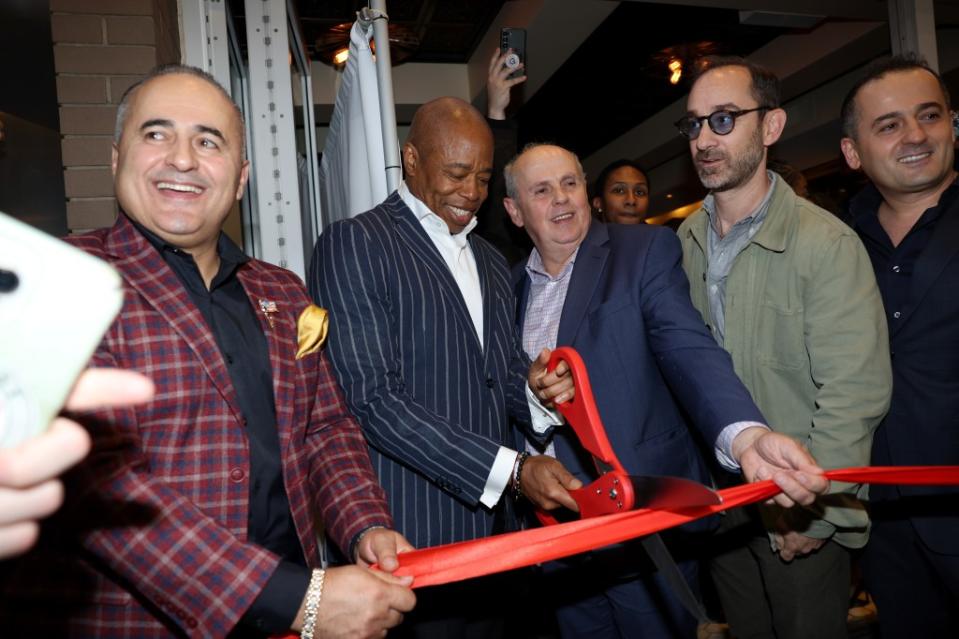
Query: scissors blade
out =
(671, 493)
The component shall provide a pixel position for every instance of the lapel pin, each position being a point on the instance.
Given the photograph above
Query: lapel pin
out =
(268, 307)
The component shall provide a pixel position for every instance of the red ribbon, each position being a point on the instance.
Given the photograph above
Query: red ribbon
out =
(469, 559)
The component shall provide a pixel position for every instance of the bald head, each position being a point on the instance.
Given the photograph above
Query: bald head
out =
(448, 160)
(442, 117)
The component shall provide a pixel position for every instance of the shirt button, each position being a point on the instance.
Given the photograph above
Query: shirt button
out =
(897, 314)
(191, 622)
(896, 269)
(490, 382)
(237, 475)
(704, 277)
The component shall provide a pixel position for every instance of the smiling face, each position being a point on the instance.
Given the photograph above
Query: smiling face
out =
(726, 162)
(178, 166)
(551, 202)
(449, 167)
(904, 137)
(625, 196)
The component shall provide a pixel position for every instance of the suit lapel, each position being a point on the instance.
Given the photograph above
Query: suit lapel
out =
(486, 289)
(412, 234)
(147, 272)
(590, 262)
(942, 247)
(521, 291)
(280, 331)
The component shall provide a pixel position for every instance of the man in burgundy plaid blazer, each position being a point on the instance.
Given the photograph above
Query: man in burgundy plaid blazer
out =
(194, 514)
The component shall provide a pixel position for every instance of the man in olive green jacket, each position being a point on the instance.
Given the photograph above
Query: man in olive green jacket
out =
(789, 291)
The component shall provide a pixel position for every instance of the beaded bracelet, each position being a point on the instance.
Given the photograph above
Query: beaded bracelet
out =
(313, 595)
(517, 469)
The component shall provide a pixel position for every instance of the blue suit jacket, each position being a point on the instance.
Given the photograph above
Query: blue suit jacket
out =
(434, 404)
(628, 314)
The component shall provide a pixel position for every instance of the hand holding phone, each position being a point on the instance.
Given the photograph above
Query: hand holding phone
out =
(29, 489)
(514, 39)
(56, 302)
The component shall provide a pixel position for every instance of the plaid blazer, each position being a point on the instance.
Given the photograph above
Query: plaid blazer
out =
(151, 541)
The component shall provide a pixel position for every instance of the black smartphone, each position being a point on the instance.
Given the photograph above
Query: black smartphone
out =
(515, 39)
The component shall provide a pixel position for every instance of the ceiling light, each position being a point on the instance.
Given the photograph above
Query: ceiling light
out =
(332, 44)
(677, 68)
(678, 58)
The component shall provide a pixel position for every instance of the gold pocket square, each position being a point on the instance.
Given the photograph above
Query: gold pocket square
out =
(311, 330)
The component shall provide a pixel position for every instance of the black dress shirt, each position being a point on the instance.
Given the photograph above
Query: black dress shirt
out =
(894, 265)
(227, 310)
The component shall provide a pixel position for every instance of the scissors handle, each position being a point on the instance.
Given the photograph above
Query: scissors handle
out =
(581, 412)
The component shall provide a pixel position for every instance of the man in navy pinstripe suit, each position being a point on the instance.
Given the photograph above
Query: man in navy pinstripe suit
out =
(423, 341)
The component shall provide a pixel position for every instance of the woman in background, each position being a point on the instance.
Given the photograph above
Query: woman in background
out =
(621, 193)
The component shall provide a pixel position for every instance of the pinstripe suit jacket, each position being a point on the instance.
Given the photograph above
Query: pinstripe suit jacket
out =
(433, 403)
(152, 539)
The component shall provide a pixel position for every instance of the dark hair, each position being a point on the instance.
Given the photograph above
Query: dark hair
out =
(600, 184)
(879, 69)
(765, 84)
(171, 69)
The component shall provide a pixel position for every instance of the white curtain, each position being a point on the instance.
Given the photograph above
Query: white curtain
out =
(353, 167)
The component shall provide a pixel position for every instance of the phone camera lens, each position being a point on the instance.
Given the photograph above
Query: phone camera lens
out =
(8, 281)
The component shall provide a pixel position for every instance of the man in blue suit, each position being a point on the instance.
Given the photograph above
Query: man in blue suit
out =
(619, 296)
(897, 129)
(422, 340)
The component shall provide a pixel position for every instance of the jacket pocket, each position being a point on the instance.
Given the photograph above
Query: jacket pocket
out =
(779, 336)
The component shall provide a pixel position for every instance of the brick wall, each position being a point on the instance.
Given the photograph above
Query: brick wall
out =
(101, 47)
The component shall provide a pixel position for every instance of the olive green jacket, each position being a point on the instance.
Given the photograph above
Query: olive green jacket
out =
(807, 334)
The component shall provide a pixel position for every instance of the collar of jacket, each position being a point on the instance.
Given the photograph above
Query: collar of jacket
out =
(776, 229)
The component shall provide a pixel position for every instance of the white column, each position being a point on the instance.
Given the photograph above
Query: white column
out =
(205, 44)
(912, 27)
(384, 76)
(273, 152)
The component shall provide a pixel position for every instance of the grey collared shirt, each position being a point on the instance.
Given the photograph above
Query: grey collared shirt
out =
(721, 253)
(544, 309)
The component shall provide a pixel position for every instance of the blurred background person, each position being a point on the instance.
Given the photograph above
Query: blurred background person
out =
(621, 193)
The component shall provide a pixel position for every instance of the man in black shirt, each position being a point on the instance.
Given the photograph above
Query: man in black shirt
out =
(195, 514)
(897, 128)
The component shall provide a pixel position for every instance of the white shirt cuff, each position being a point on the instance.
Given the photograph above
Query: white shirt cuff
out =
(499, 476)
(541, 418)
(724, 443)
